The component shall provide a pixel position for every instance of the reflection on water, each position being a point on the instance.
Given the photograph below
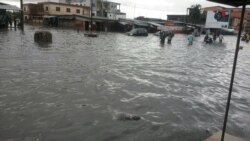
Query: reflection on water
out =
(73, 88)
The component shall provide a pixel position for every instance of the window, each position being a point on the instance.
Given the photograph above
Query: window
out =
(77, 10)
(46, 8)
(24, 9)
(83, 12)
(58, 9)
(68, 10)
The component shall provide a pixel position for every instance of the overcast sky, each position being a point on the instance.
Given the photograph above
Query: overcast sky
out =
(147, 8)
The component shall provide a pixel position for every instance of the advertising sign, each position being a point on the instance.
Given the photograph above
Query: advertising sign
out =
(217, 19)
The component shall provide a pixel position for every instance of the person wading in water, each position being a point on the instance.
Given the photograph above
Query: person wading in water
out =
(170, 37)
(163, 36)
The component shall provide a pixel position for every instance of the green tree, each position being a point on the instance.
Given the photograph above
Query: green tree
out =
(195, 14)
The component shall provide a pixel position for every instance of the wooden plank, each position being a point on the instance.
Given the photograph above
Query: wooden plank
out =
(217, 137)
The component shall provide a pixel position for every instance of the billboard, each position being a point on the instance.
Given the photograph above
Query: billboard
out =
(217, 19)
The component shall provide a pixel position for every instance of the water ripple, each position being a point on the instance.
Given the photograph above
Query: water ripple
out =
(72, 89)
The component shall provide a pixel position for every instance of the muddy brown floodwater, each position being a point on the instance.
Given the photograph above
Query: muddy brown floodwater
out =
(78, 88)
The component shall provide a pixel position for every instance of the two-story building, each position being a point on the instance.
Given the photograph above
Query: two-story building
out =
(53, 8)
(56, 14)
(75, 15)
(38, 11)
(236, 16)
(95, 4)
(112, 10)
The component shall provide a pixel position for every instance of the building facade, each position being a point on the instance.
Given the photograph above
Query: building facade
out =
(101, 8)
(112, 10)
(177, 18)
(36, 12)
(95, 4)
(80, 2)
(236, 16)
(52, 8)
(33, 12)
(57, 14)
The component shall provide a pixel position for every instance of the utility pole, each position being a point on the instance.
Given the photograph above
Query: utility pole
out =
(134, 9)
(102, 7)
(22, 23)
(91, 20)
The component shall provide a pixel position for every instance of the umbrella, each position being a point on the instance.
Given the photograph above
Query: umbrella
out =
(235, 3)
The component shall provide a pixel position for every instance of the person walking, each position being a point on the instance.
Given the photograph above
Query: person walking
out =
(206, 38)
(163, 36)
(221, 38)
(15, 21)
(190, 39)
(170, 37)
(214, 36)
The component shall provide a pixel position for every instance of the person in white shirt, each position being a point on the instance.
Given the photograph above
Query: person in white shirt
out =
(221, 38)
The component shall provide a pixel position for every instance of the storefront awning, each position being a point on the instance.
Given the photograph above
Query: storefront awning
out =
(123, 23)
(48, 17)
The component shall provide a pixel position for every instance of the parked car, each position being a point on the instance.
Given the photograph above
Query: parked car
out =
(138, 32)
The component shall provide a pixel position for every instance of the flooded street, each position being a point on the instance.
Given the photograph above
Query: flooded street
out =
(76, 88)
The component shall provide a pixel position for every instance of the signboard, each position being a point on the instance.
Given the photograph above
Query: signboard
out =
(217, 19)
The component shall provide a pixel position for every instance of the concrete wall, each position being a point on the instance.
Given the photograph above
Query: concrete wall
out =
(111, 15)
(120, 16)
(26, 9)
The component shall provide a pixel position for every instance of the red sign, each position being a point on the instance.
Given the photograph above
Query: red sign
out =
(169, 23)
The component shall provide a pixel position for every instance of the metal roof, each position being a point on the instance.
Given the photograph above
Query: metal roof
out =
(235, 3)
(140, 23)
(8, 7)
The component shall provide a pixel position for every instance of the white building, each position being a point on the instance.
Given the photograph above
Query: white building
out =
(102, 8)
(112, 10)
